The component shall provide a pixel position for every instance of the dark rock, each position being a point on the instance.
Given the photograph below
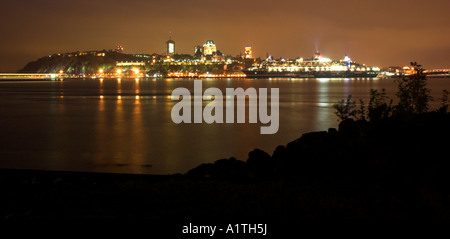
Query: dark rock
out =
(230, 168)
(204, 170)
(222, 169)
(314, 137)
(259, 163)
(332, 131)
(348, 127)
(280, 153)
(257, 155)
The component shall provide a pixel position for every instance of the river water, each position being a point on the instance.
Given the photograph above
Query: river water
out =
(125, 126)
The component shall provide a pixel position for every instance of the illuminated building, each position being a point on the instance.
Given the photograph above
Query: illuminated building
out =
(209, 48)
(218, 57)
(248, 53)
(76, 54)
(170, 47)
(130, 63)
(409, 70)
(119, 49)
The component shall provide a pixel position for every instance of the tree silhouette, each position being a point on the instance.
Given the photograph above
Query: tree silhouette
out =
(444, 101)
(414, 96)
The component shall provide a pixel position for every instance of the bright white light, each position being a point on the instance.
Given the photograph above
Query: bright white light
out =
(323, 80)
(324, 59)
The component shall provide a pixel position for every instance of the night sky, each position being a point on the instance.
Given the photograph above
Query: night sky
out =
(382, 33)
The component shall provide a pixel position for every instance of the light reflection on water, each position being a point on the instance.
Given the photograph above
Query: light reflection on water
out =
(124, 125)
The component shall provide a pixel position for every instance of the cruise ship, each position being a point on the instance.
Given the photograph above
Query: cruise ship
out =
(316, 67)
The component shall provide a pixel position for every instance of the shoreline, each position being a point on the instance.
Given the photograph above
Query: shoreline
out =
(392, 167)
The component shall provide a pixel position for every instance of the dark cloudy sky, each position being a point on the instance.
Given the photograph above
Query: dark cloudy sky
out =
(383, 33)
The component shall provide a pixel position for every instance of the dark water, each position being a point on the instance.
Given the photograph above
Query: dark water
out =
(125, 126)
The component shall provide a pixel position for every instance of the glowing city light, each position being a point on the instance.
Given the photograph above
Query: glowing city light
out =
(347, 59)
(324, 59)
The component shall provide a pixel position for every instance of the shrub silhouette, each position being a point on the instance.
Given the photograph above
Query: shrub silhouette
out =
(414, 96)
(378, 107)
(345, 109)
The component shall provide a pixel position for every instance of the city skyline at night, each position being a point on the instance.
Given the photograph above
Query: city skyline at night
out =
(375, 32)
(235, 119)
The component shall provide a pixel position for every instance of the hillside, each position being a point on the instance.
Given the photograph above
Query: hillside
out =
(89, 62)
(80, 62)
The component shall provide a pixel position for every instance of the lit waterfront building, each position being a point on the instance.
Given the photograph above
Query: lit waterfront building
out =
(119, 49)
(248, 53)
(128, 68)
(170, 47)
(130, 63)
(209, 48)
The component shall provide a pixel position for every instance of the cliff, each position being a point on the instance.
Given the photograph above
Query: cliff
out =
(89, 62)
(80, 62)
